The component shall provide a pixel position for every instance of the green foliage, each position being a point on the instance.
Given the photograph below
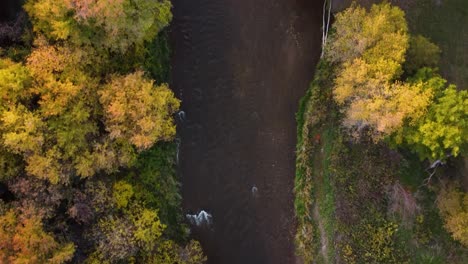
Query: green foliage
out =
(421, 53)
(123, 192)
(442, 130)
(14, 79)
(168, 254)
(311, 117)
(10, 165)
(156, 181)
(157, 58)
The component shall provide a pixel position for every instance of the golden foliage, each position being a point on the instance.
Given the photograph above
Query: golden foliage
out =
(371, 49)
(137, 111)
(23, 240)
(453, 205)
(107, 24)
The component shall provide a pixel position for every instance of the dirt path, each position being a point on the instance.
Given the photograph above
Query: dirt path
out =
(240, 67)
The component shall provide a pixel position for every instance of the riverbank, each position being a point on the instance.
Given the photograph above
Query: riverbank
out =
(240, 68)
(361, 202)
(348, 194)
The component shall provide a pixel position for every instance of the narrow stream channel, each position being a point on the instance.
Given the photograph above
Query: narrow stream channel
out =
(240, 68)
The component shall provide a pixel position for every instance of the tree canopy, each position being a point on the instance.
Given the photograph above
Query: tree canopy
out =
(104, 24)
(373, 53)
(80, 119)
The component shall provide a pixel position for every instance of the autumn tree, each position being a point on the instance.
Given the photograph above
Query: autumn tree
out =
(76, 110)
(441, 131)
(381, 33)
(128, 227)
(137, 111)
(453, 206)
(23, 240)
(370, 98)
(370, 48)
(169, 252)
(52, 110)
(105, 24)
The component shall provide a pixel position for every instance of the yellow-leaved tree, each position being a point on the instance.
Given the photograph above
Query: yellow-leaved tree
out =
(23, 240)
(370, 48)
(105, 24)
(453, 206)
(137, 111)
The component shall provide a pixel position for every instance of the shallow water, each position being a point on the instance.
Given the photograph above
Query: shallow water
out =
(240, 67)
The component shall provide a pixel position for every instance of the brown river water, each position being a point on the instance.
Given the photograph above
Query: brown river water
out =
(240, 68)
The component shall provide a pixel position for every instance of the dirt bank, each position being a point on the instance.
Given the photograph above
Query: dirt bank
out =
(240, 67)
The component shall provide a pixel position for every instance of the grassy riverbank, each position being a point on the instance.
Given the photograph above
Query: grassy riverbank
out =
(314, 201)
(361, 202)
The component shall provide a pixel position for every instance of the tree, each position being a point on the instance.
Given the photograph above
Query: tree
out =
(379, 33)
(23, 240)
(169, 252)
(14, 81)
(442, 131)
(126, 22)
(421, 53)
(138, 112)
(453, 206)
(121, 237)
(370, 48)
(77, 107)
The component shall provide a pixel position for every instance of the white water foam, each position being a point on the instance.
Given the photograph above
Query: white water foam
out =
(202, 218)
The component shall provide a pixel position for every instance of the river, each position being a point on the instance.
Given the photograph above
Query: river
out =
(240, 68)
(9, 9)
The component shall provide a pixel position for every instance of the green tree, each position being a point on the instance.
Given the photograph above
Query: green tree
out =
(421, 53)
(443, 130)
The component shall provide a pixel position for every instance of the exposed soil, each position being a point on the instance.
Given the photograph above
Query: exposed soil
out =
(240, 67)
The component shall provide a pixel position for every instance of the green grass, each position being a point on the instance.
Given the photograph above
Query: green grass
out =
(447, 26)
(310, 197)
(326, 201)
